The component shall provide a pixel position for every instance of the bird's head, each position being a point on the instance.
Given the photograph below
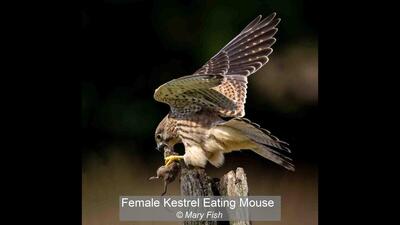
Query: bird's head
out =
(166, 135)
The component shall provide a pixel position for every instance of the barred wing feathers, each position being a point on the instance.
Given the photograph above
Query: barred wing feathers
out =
(221, 84)
(247, 52)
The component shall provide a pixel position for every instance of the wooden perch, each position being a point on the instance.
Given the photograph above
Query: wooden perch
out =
(195, 182)
(234, 184)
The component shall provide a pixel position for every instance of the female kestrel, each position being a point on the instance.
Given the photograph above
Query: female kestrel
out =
(207, 108)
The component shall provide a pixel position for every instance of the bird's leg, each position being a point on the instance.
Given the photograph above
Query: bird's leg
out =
(172, 158)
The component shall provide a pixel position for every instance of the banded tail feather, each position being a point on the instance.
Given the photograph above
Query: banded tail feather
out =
(266, 144)
(274, 156)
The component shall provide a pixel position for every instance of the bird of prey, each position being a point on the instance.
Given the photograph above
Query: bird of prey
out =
(207, 107)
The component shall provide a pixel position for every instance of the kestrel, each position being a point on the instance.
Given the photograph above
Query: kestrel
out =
(207, 107)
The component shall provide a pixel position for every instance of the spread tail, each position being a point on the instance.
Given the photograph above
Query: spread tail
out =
(266, 145)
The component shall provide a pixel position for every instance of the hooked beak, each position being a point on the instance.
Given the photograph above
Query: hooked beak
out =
(161, 146)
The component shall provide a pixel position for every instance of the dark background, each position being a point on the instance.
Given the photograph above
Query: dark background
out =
(129, 48)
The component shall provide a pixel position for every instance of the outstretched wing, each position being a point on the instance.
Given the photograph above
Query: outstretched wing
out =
(221, 84)
(247, 52)
(241, 57)
(190, 94)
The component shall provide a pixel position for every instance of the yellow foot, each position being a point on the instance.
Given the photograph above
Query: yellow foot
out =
(171, 158)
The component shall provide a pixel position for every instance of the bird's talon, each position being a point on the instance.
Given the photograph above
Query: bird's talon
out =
(170, 159)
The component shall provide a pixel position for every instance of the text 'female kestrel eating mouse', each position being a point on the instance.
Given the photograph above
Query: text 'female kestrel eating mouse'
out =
(207, 107)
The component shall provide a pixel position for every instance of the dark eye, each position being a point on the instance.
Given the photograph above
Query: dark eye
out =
(158, 136)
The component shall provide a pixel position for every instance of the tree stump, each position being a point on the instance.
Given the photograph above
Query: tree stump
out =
(195, 182)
